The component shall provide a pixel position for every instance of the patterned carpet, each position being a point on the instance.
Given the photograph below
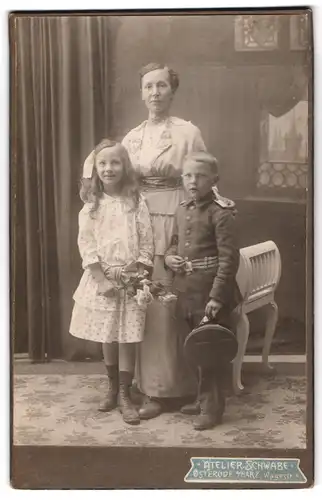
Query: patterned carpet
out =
(62, 410)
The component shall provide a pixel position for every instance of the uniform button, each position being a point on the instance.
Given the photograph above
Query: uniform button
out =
(188, 217)
(192, 207)
(188, 231)
(187, 244)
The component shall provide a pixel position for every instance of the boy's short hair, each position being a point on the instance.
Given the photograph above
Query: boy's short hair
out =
(203, 157)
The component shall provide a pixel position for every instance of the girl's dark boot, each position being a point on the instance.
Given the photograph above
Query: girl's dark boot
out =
(110, 400)
(128, 410)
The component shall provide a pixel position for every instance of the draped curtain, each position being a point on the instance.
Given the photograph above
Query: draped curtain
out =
(60, 110)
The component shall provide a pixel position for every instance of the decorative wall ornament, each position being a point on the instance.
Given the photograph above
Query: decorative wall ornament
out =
(283, 175)
(284, 149)
(299, 32)
(258, 32)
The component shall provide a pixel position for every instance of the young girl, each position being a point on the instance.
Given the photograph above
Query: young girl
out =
(114, 231)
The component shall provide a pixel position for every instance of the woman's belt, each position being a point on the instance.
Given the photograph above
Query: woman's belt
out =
(160, 182)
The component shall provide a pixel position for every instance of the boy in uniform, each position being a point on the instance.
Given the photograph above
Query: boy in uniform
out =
(204, 256)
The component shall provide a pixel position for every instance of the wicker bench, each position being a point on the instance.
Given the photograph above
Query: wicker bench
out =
(258, 276)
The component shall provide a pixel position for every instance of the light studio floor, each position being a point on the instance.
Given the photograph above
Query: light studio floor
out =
(56, 404)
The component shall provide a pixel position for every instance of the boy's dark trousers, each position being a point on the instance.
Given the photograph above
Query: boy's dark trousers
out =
(210, 401)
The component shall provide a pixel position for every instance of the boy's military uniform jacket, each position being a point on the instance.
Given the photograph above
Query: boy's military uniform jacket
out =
(204, 235)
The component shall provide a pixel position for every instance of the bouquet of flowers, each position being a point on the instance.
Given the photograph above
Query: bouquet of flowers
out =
(136, 284)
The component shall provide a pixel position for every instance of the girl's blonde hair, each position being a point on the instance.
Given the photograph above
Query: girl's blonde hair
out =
(92, 189)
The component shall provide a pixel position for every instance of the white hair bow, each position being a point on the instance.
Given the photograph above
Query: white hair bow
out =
(88, 166)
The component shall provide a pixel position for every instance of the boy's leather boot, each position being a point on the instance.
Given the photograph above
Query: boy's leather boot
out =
(212, 404)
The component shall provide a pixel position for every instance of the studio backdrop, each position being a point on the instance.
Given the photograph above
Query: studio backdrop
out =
(75, 81)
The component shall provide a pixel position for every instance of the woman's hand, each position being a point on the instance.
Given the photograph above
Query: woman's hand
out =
(212, 308)
(175, 262)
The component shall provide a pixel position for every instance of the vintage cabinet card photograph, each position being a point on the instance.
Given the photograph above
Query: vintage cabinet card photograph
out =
(161, 186)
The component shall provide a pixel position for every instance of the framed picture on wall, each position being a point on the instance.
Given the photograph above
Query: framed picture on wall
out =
(161, 249)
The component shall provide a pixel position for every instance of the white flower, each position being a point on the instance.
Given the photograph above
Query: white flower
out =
(143, 297)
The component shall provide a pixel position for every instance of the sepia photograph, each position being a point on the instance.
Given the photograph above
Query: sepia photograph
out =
(161, 177)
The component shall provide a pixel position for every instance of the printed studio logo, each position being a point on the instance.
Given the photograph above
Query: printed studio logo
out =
(245, 470)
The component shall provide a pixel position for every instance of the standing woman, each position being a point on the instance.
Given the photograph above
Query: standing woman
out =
(157, 148)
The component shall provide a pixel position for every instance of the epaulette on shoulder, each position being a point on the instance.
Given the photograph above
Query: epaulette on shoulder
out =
(222, 201)
(183, 203)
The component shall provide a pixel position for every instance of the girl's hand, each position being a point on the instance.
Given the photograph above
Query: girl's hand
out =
(142, 271)
(131, 292)
(212, 308)
(175, 262)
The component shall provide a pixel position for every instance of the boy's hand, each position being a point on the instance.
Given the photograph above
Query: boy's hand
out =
(175, 262)
(212, 308)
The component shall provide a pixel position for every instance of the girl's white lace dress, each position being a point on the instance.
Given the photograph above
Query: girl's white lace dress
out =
(115, 235)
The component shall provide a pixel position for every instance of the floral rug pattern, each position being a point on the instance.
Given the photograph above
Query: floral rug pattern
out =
(62, 410)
